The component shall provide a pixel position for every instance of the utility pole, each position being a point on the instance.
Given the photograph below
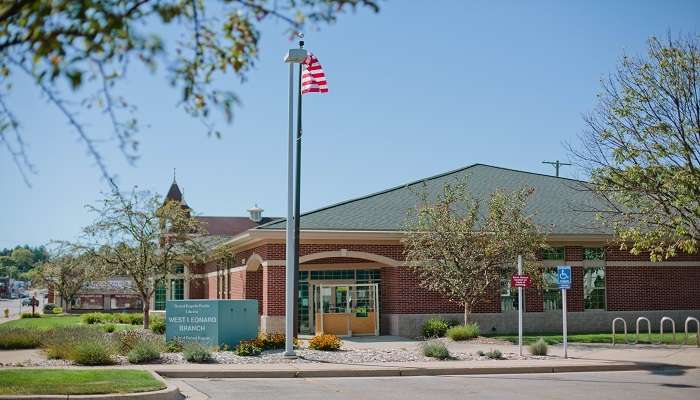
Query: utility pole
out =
(556, 164)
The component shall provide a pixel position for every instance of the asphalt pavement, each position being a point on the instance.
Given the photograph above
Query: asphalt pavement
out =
(15, 306)
(639, 385)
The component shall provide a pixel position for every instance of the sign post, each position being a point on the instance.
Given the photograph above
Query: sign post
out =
(520, 307)
(564, 283)
(520, 281)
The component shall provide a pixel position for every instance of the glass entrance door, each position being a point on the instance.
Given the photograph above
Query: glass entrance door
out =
(346, 310)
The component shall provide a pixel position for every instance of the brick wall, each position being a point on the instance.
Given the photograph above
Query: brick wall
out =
(652, 288)
(633, 287)
(198, 288)
(212, 287)
(238, 283)
(273, 290)
(401, 293)
(254, 287)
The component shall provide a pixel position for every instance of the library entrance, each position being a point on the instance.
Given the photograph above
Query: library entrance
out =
(344, 309)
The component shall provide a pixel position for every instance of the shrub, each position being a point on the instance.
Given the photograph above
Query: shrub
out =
(19, 338)
(325, 342)
(434, 327)
(48, 308)
(109, 328)
(61, 342)
(94, 352)
(92, 318)
(158, 326)
(492, 354)
(57, 310)
(453, 322)
(127, 340)
(6, 312)
(435, 349)
(271, 341)
(463, 332)
(539, 348)
(29, 315)
(196, 353)
(174, 345)
(144, 351)
(248, 348)
(133, 318)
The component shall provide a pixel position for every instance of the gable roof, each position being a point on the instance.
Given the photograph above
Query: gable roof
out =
(559, 204)
(230, 226)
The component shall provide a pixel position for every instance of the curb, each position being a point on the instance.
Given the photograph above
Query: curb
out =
(404, 371)
(171, 392)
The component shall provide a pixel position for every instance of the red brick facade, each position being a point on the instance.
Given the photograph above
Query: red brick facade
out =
(629, 287)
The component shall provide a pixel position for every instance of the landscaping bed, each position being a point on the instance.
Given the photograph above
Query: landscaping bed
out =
(600, 337)
(75, 382)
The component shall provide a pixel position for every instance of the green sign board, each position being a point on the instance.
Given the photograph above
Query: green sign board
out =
(211, 322)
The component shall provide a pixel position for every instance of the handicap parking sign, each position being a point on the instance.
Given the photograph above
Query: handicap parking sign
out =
(564, 276)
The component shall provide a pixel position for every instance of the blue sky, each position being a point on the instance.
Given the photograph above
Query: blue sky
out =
(420, 88)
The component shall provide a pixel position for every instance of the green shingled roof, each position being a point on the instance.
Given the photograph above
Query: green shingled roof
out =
(559, 203)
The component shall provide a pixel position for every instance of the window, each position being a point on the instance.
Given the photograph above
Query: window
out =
(177, 289)
(551, 292)
(509, 295)
(594, 288)
(179, 269)
(160, 296)
(553, 253)
(594, 253)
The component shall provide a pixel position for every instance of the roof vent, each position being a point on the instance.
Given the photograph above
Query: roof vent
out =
(255, 213)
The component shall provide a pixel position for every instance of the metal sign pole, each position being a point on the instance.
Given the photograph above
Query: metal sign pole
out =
(563, 309)
(520, 308)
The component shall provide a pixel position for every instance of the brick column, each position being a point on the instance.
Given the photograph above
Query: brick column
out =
(254, 287)
(574, 296)
(272, 320)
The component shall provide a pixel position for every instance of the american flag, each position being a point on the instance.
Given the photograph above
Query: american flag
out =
(313, 79)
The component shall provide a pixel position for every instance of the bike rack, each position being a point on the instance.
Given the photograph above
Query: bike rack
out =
(661, 330)
(697, 330)
(648, 329)
(624, 324)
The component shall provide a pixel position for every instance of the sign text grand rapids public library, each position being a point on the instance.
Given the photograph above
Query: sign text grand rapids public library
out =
(211, 322)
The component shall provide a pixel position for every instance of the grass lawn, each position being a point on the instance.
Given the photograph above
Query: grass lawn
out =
(556, 338)
(71, 381)
(53, 321)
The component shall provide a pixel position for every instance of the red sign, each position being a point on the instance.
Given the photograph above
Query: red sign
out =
(520, 281)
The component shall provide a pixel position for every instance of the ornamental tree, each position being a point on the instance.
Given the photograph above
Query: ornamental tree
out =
(78, 52)
(642, 149)
(135, 235)
(460, 253)
(67, 272)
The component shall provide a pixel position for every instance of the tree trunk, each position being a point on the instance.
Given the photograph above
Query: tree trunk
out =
(146, 311)
(467, 311)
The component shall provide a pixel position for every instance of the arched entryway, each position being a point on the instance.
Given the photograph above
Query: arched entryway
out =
(339, 292)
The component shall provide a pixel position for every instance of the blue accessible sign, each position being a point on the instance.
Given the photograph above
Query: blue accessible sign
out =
(564, 276)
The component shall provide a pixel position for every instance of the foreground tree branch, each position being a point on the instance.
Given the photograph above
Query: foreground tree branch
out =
(642, 149)
(88, 46)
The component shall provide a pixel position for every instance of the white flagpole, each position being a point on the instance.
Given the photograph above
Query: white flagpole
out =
(294, 56)
(289, 262)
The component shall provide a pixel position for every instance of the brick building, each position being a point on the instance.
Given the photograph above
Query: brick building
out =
(353, 278)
